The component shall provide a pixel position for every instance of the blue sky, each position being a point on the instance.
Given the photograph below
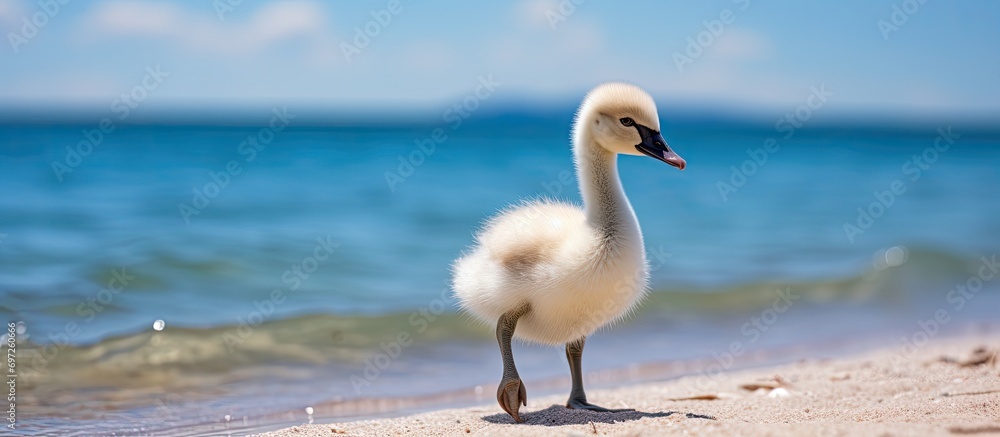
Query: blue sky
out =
(942, 59)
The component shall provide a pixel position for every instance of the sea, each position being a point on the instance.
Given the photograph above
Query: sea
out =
(222, 279)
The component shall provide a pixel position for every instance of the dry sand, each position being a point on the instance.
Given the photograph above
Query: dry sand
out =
(949, 387)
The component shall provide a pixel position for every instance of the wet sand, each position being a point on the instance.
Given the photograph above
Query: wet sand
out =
(947, 387)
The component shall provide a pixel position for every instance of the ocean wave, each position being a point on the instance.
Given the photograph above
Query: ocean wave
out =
(312, 339)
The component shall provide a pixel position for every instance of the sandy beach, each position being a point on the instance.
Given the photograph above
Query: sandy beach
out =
(947, 387)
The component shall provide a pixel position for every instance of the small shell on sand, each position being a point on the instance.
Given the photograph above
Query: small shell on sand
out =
(778, 393)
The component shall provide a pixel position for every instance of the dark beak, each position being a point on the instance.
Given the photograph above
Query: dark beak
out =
(655, 146)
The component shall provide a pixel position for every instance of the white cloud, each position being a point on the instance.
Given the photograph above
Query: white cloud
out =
(123, 18)
(268, 24)
(535, 13)
(284, 19)
(542, 48)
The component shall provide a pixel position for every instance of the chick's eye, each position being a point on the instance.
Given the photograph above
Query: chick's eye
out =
(627, 121)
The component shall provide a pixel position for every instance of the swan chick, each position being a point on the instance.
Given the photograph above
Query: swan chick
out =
(553, 273)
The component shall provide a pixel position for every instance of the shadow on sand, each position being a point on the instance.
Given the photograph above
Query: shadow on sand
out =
(558, 415)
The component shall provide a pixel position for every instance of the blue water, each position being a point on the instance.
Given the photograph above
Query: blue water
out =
(118, 213)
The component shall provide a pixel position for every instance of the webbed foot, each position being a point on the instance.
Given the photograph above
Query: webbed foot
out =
(511, 396)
